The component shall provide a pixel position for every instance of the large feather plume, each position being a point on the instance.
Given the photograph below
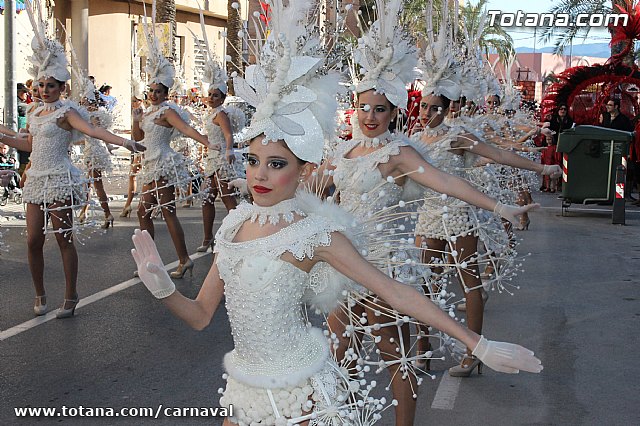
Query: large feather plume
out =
(386, 55)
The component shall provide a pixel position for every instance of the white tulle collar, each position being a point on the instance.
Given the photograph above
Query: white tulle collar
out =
(285, 210)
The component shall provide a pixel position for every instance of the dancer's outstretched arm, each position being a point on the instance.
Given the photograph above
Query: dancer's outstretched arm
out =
(500, 356)
(196, 313)
(174, 119)
(409, 161)
(77, 122)
(21, 142)
(501, 156)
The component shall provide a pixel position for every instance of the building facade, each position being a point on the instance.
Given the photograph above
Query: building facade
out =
(104, 34)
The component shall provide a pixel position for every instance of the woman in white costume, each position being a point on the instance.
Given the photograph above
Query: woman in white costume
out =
(369, 173)
(449, 228)
(96, 156)
(218, 167)
(54, 187)
(268, 253)
(163, 170)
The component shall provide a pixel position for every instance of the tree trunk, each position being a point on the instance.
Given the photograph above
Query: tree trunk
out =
(234, 43)
(166, 13)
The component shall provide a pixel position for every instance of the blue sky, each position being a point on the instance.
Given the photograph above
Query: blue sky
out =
(524, 37)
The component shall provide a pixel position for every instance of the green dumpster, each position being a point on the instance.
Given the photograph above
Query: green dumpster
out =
(590, 155)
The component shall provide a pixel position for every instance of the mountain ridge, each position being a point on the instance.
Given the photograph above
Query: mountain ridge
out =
(596, 50)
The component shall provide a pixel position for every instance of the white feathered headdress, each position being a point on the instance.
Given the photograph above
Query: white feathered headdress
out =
(511, 97)
(474, 84)
(439, 63)
(213, 74)
(386, 55)
(48, 58)
(291, 87)
(159, 69)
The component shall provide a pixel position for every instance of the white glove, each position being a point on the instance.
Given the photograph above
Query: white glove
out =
(150, 267)
(506, 357)
(137, 114)
(133, 146)
(511, 213)
(239, 184)
(554, 171)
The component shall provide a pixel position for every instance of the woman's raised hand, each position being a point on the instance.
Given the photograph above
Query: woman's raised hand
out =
(506, 357)
(137, 114)
(150, 267)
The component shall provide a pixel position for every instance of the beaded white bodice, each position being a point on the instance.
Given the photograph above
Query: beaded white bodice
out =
(265, 296)
(443, 158)
(51, 143)
(362, 188)
(157, 138)
(214, 132)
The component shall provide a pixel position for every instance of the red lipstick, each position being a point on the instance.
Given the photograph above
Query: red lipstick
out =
(261, 189)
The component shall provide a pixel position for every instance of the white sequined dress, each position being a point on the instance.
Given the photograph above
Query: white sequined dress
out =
(280, 366)
(160, 161)
(215, 161)
(52, 177)
(96, 155)
(364, 192)
(441, 217)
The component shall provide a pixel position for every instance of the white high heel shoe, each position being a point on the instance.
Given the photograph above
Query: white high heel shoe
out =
(40, 306)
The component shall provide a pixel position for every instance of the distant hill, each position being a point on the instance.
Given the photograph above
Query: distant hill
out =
(597, 50)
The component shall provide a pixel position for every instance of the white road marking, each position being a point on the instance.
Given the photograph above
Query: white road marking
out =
(27, 325)
(447, 392)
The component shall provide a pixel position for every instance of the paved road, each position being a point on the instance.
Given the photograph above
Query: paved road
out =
(579, 309)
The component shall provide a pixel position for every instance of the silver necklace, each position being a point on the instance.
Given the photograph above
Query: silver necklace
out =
(154, 108)
(376, 142)
(284, 210)
(439, 130)
(52, 106)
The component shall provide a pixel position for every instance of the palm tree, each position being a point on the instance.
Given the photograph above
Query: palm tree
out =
(565, 35)
(166, 13)
(234, 42)
(492, 39)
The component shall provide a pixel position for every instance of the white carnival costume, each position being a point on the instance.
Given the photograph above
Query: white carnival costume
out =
(387, 57)
(291, 375)
(449, 72)
(280, 366)
(281, 371)
(215, 161)
(52, 178)
(160, 163)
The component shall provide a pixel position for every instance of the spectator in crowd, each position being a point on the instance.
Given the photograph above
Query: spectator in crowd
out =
(29, 86)
(614, 118)
(560, 121)
(105, 94)
(23, 97)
